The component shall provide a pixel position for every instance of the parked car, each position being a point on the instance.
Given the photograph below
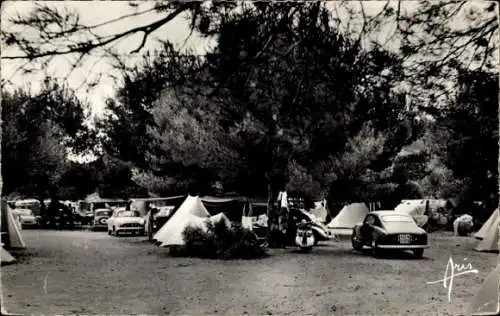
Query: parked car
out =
(320, 231)
(25, 217)
(161, 216)
(87, 218)
(388, 230)
(101, 216)
(123, 221)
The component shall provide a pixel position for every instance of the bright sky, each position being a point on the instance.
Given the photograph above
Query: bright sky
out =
(94, 12)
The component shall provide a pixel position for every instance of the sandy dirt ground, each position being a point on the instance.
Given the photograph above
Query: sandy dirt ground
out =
(81, 272)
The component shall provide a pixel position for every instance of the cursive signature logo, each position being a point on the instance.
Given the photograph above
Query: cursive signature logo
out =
(453, 270)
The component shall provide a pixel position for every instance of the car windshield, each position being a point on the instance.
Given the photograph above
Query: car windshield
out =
(127, 214)
(24, 212)
(397, 218)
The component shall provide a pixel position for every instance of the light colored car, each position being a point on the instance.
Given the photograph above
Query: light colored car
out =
(389, 230)
(25, 217)
(123, 221)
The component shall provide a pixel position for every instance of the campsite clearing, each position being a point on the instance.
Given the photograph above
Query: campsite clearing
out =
(80, 272)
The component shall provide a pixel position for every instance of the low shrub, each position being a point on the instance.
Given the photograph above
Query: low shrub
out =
(220, 242)
(464, 229)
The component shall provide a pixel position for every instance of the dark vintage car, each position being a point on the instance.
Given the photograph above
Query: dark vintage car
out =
(389, 230)
(101, 216)
(320, 231)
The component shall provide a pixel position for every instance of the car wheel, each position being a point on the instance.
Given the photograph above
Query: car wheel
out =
(419, 253)
(356, 245)
(316, 238)
(305, 249)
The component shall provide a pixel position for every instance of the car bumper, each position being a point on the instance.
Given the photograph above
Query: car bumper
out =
(322, 237)
(129, 229)
(402, 246)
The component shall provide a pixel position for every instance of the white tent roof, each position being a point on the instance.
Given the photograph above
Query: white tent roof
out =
(349, 216)
(486, 226)
(220, 217)
(487, 299)
(491, 238)
(92, 197)
(6, 257)
(14, 231)
(319, 210)
(192, 212)
(411, 207)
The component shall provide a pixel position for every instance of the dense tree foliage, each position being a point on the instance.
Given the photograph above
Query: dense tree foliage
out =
(299, 119)
(466, 136)
(457, 155)
(39, 130)
(293, 95)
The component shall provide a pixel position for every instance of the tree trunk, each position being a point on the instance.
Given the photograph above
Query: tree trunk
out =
(271, 215)
(275, 234)
(43, 211)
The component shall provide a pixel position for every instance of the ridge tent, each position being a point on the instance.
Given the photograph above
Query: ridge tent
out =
(487, 299)
(486, 226)
(491, 238)
(192, 212)
(218, 218)
(415, 208)
(175, 237)
(7, 258)
(319, 210)
(11, 229)
(419, 207)
(411, 207)
(348, 216)
(93, 197)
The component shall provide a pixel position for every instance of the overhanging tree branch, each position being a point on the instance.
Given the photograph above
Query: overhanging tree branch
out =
(86, 47)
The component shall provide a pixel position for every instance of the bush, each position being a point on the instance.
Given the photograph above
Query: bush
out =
(220, 242)
(464, 229)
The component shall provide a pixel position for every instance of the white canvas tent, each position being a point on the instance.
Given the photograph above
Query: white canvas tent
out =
(491, 238)
(415, 208)
(348, 216)
(93, 197)
(487, 299)
(192, 212)
(486, 226)
(13, 229)
(220, 217)
(6, 257)
(319, 210)
(411, 207)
